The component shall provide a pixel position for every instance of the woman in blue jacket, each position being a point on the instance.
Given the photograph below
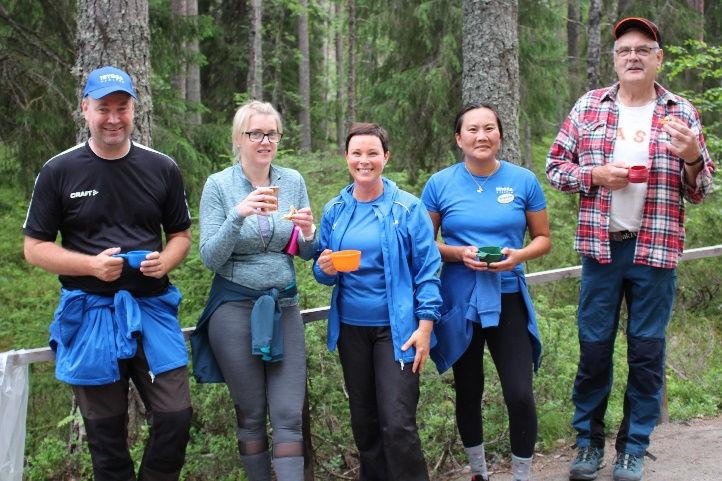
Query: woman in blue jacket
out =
(484, 201)
(382, 314)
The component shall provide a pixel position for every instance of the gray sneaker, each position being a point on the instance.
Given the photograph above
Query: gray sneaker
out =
(628, 467)
(589, 460)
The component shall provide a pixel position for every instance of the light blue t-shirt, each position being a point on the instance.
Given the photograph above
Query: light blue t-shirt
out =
(494, 217)
(362, 293)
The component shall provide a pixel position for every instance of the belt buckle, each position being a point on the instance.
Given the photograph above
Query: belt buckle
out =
(622, 235)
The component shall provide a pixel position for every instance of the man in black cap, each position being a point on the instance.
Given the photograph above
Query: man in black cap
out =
(633, 151)
(114, 322)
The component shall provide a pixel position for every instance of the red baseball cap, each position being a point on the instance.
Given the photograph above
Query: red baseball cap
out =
(637, 23)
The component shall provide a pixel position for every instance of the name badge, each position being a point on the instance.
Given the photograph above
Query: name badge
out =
(505, 198)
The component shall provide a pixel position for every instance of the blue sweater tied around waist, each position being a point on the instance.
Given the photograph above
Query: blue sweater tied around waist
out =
(475, 296)
(266, 329)
(90, 333)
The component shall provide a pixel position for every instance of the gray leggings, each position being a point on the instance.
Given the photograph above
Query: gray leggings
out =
(253, 382)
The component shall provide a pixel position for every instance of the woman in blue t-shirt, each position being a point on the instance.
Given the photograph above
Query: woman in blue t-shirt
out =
(483, 201)
(382, 314)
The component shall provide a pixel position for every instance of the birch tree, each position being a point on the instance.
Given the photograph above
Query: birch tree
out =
(304, 83)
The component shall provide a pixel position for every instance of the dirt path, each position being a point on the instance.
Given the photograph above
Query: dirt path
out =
(690, 451)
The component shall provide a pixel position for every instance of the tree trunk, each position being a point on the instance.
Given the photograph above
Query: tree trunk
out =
(115, 32)
(528, 161)
(490, 48)
(697, 6)
(593, 44)
(193, 80)
(351, 96)
(178, 80)
(304, 87)
(308, 456)
(574, 20)
(255, 57)
(278, 55)
(621, 7)
(340, 130)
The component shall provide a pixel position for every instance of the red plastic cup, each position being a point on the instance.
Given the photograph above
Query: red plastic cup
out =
(638, 174)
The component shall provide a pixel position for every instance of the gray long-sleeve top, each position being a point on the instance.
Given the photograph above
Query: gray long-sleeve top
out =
(233, 246)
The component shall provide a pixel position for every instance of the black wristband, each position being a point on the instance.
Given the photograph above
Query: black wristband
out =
(696, 161)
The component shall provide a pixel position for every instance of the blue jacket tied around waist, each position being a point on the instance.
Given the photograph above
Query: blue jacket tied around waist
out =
(474, 296)
(411, 261)
(266, 331)
(90, 333)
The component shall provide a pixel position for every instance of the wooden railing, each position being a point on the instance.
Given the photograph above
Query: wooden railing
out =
(43, 354)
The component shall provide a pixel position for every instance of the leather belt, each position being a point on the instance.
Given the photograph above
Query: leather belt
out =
(622, 235)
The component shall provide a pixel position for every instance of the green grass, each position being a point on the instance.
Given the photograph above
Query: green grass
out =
(28, 297)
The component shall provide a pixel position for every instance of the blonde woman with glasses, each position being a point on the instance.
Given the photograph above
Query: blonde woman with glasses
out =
(250, 336)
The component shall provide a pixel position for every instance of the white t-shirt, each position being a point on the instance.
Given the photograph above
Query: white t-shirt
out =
(632, 148)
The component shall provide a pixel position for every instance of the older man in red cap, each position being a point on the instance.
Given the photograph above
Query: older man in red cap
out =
(633, 152)
(115, 323)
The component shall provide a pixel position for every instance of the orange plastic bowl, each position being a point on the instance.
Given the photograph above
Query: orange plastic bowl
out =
(346, 261)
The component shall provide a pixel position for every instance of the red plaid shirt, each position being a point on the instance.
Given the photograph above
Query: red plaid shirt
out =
(586, 140)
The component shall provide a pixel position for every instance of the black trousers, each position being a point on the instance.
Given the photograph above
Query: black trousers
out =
(382, 399)
(510, 346)
(105, 414)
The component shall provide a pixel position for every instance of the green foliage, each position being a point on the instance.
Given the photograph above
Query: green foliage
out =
(701, 66)
(39, 94)
(410, 78)
(53, 461)
(542, 64)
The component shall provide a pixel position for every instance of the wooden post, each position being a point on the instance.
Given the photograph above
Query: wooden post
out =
(308, 458)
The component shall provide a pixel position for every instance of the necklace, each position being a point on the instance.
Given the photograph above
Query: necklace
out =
(480, 187)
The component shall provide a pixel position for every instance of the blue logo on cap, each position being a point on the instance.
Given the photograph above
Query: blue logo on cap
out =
(108, 80)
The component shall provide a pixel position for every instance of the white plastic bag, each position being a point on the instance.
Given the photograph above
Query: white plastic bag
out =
(13, 412)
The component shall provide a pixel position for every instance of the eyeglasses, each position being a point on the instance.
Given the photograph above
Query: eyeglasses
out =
(642, 51)
(256, 136)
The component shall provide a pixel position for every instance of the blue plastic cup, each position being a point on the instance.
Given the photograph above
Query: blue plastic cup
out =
(134, 258)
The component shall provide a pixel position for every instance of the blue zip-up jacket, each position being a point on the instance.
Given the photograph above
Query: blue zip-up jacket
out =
(411, 261)
(90, 333)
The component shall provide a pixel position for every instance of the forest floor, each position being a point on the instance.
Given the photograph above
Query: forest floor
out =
(689, 451)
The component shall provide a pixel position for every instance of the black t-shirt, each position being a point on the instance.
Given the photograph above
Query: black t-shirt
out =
(96, 204)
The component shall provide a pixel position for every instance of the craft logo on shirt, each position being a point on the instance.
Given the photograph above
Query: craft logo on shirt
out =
(506, 194)
(84, 193)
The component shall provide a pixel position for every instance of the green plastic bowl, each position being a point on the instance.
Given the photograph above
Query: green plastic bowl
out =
(490, 254)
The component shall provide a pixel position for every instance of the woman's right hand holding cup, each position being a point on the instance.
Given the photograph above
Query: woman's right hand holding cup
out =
(471, 260)
(259, 202)
(325, 264)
